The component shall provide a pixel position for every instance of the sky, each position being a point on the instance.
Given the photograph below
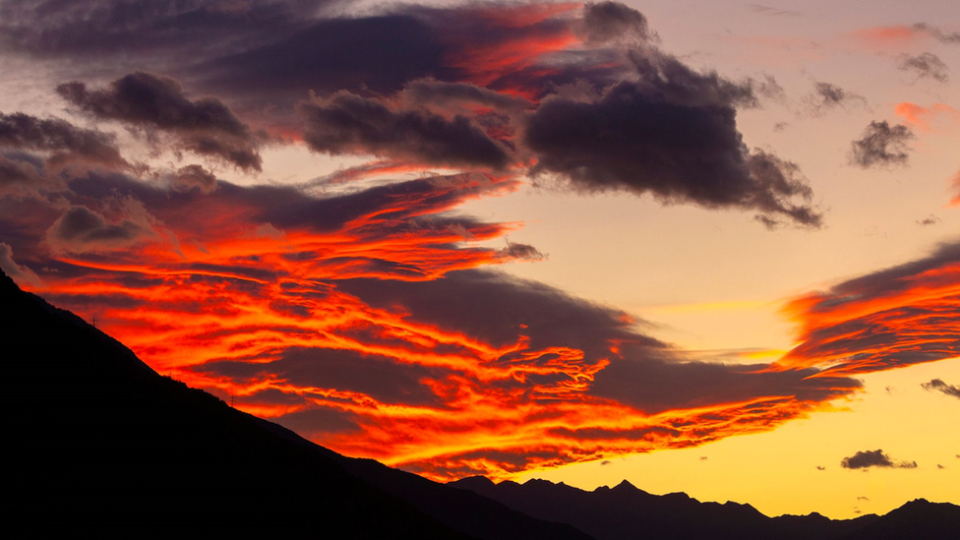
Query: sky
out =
(703, 247)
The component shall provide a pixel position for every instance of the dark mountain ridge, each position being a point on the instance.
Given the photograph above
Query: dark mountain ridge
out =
(627, 513)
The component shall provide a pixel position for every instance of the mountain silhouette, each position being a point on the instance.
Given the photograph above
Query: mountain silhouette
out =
(627, 513)
(96, 441)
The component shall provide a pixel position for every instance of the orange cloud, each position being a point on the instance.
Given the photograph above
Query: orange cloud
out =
(938, 117)
(893, 318)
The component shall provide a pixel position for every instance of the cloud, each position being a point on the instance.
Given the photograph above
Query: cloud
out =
(938, 117)
(81, 229)
(882, 145)
(193, 177)
(939, 466)
(929, 220)
(154, 102)
(821, 468)
(606, 462)
(63, 143)
(925, 65)
(874, 458)
(350, 124)
(827, 96)
(773, 12)
(902, 35)
(894, 317)
(91, 28)
(952, 38)
(21, 274)
(863, 498)
(940, 386)
(609, 21)
(672, 134)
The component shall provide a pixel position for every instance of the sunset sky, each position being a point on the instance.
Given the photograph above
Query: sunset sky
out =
(708, 247)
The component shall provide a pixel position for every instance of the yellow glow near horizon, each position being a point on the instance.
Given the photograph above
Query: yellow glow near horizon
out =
(777, 472)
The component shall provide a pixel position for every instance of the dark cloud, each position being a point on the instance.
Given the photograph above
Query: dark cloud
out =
(882, 145)
(20, 274)
(441, 94)
(606, 462)
(821, 468)
(379, 377)
(654, 384)
(925, 65)
(378, 53)
(609, 21)
(154, 102)
(704, 458)
(874, 458)
(937, 33)
(65, 143)
(81, 229)
(773, 12)
(863, 498)
(20, 177)
(940, 386)
(929, 220)
(939, 466)
(827, 96)
(350, 124)
(121, 28)
(672, 134)
(522, 252)
(193, 177)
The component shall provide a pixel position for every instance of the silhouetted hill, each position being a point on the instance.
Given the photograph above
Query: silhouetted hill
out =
(916, 519)
(627, 513)
(96, 441)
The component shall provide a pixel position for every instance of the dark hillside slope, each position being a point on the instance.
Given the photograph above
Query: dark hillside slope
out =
(96, 441)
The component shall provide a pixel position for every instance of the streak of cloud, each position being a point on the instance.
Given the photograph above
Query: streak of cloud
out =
(937, 385)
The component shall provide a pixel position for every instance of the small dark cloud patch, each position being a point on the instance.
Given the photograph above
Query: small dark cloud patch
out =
(828, 96)
(863, 498)
(882, 145)
(704, 458)
(925, 66)
(773, 12)
(154, 102)
(939, 466)
(952, 38)
(608, 21)
(193, 177)
(937, 385)
(522, 252)
(874, 458)
(929, 220)
(605, 462)
(779, 127)
(347, 123)
(821, 468)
